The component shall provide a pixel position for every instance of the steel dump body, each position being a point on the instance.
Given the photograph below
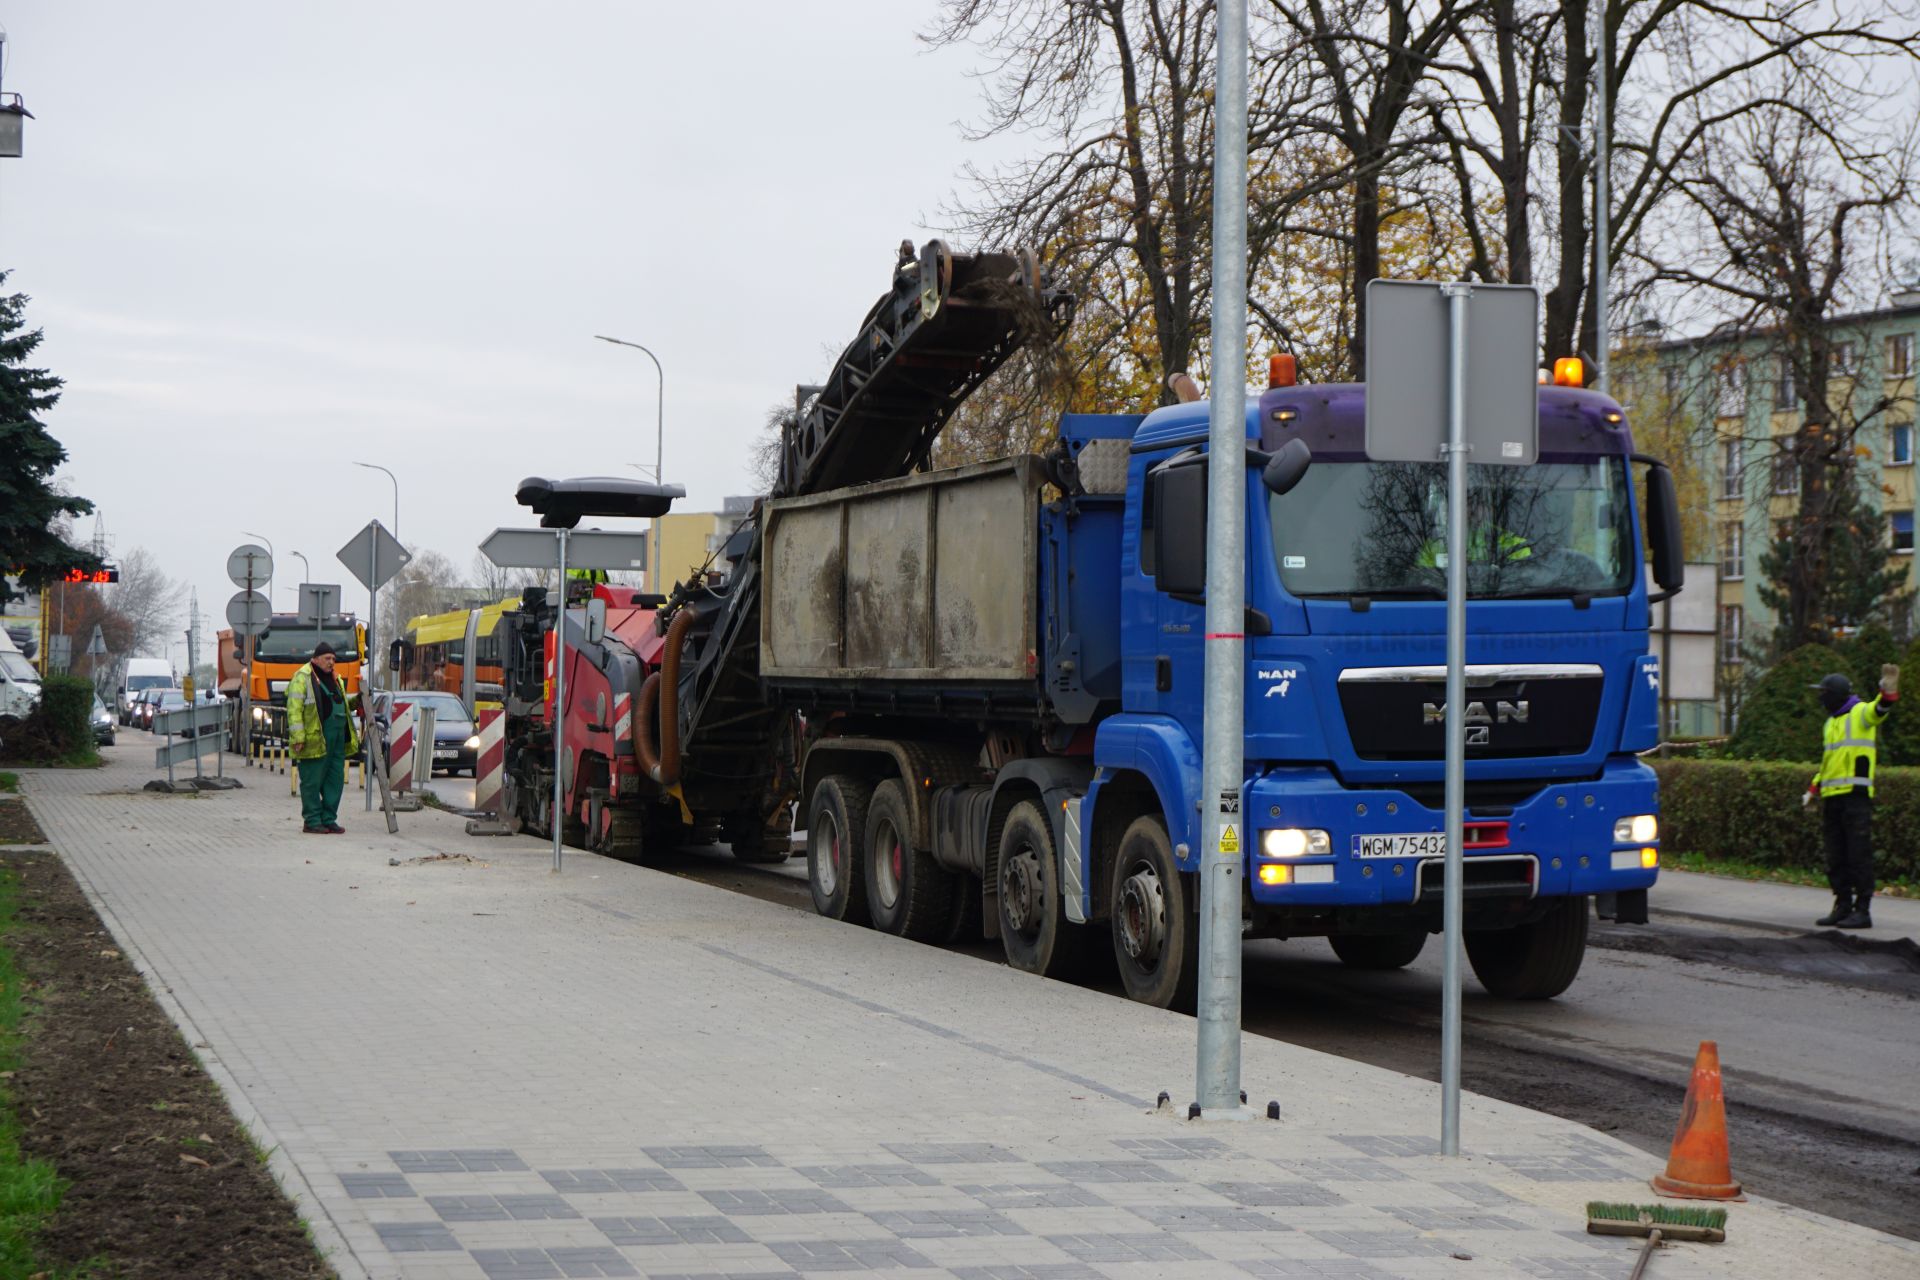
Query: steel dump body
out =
(934, 577)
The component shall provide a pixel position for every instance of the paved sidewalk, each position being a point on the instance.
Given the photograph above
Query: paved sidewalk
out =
(1761, 904)
(482, 1070)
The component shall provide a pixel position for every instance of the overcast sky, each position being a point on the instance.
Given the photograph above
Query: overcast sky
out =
(266, 240)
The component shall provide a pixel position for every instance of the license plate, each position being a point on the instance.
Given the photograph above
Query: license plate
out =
(445, 755)
(1426, 844)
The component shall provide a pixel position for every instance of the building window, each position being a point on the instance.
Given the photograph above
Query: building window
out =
(1902, 522)
(1844, 355)
(1733, 460)
(1786, 472)
(1732, 623)
(1784, 389)
(1899, 355)
(1901, 452)
(1732, 392)
(1733, 552)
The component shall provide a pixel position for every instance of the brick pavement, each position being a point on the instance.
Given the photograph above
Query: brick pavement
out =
(480, 1070)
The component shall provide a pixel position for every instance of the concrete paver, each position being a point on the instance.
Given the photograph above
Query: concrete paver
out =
(478, 1069)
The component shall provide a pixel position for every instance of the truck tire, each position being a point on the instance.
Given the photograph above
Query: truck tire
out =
(1378, 950)
(1033, 928)
(1156, 936)
(836, 841)
(1535, 961)
(908, 893)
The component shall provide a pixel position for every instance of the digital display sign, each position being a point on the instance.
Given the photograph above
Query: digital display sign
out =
(108, 574)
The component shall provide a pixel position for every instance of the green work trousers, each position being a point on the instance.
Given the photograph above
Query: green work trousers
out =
(323, 778)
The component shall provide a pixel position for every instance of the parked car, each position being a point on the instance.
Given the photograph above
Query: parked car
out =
(149, 700)
(456, 748)
(102, 723)
(19, 683)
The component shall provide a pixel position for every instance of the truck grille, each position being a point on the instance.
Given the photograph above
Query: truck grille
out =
(1398, 713)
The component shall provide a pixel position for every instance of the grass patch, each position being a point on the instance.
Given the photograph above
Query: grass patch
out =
(1736, 869)
(9, 781)
(30, 1190)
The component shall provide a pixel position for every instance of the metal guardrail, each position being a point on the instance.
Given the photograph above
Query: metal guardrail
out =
(192, 731)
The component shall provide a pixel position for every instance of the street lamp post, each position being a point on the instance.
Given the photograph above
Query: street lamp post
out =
(659, 452)
(374, 466)
(306, 574)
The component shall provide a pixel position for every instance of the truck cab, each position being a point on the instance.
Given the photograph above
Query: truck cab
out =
(1342, 813)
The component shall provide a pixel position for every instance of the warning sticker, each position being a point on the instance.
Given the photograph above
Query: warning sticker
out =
(1229, 838)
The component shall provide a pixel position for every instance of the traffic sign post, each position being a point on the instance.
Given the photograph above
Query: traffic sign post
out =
(372, 556)
(1480, 342)
(556, 549)
(249, 566)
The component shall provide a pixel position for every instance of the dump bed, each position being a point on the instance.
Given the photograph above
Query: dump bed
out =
(931, 578)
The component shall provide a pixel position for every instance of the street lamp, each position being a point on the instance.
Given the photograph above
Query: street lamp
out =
(659, 450)
(374, 466)
(306, 576)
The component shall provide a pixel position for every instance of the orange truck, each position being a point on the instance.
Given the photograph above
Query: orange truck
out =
(282, 649)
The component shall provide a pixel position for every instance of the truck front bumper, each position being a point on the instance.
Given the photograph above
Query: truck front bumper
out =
(1383, 847)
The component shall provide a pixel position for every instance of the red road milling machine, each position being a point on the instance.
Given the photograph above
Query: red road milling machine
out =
(670, 736)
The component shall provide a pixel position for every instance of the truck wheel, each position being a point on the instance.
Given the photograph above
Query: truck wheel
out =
(1535, 961)
(1156, 937)
(1378, 950)
(908, 893)
(1033, 928)
(836, 835)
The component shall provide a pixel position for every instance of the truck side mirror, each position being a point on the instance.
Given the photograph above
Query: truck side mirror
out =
(1663, 530)
(1179, 496)
(1284, 469)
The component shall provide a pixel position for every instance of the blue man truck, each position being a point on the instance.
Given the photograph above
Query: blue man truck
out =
(990, 679)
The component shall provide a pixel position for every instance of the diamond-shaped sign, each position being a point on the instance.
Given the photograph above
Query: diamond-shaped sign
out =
(374, 556)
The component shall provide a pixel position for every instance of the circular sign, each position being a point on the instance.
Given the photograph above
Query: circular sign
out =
(249, 565)
(248, 613)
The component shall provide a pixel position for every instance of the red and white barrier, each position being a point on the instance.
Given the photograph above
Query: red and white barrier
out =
(489, 768)
(400, 747)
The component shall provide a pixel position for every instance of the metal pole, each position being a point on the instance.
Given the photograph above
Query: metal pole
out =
(559, 698)
(659, 450)
(1602, 197)
(366, 659)
(1222, 839)
(1456, 778)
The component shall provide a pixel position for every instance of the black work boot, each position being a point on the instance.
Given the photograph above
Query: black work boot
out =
(1859, 917)
(1842, 908)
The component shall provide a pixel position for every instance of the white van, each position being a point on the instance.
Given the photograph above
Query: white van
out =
(19, 682)
(143, 673)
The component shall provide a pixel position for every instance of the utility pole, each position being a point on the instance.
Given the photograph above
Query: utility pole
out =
(1602, 198)
(1223, 757)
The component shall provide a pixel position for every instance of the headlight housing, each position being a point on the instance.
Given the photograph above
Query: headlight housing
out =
(473, 743)
(1641, 828)
(1295, 842)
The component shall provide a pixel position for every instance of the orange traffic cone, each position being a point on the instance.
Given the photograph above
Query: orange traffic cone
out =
(1698, 1169)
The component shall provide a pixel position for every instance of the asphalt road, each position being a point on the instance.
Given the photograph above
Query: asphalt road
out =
(1822, 1070)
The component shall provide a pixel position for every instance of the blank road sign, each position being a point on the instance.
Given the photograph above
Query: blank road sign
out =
(1407, 362)
(249, 565)
(586, 549)
(376, 549)
(318, 602)
(248, 613)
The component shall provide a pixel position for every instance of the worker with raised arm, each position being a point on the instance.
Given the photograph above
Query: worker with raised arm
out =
(321, 735)
(1844, 787)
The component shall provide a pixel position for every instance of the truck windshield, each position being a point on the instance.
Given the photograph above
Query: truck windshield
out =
(295, 644)
(1379, 529)
(137, 683)
(17, 668)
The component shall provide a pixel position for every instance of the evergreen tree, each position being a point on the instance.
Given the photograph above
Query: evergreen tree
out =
(30, 508)
(1781, 717)
(1861, 583)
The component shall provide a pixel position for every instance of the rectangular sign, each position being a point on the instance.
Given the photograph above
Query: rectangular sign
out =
(586, 549)
(1408, 357)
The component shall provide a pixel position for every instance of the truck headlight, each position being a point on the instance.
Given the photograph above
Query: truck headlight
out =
(1295, 842)
(1641, 828)
(259, 713)
(473, 743)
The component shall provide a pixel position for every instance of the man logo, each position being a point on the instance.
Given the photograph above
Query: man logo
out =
(1479, 721)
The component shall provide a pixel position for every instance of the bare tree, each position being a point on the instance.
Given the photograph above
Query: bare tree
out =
(498, 583)
(1794, 204)
(148, 602)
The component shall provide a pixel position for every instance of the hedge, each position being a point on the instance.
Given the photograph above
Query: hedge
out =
(1750, 810)
(59, 729)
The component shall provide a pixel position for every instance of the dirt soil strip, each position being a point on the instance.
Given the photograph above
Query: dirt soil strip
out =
(165, 1182)
(17, 825)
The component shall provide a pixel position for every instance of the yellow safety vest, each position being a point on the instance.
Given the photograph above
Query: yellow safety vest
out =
(1851, 736)
(1511, 546)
